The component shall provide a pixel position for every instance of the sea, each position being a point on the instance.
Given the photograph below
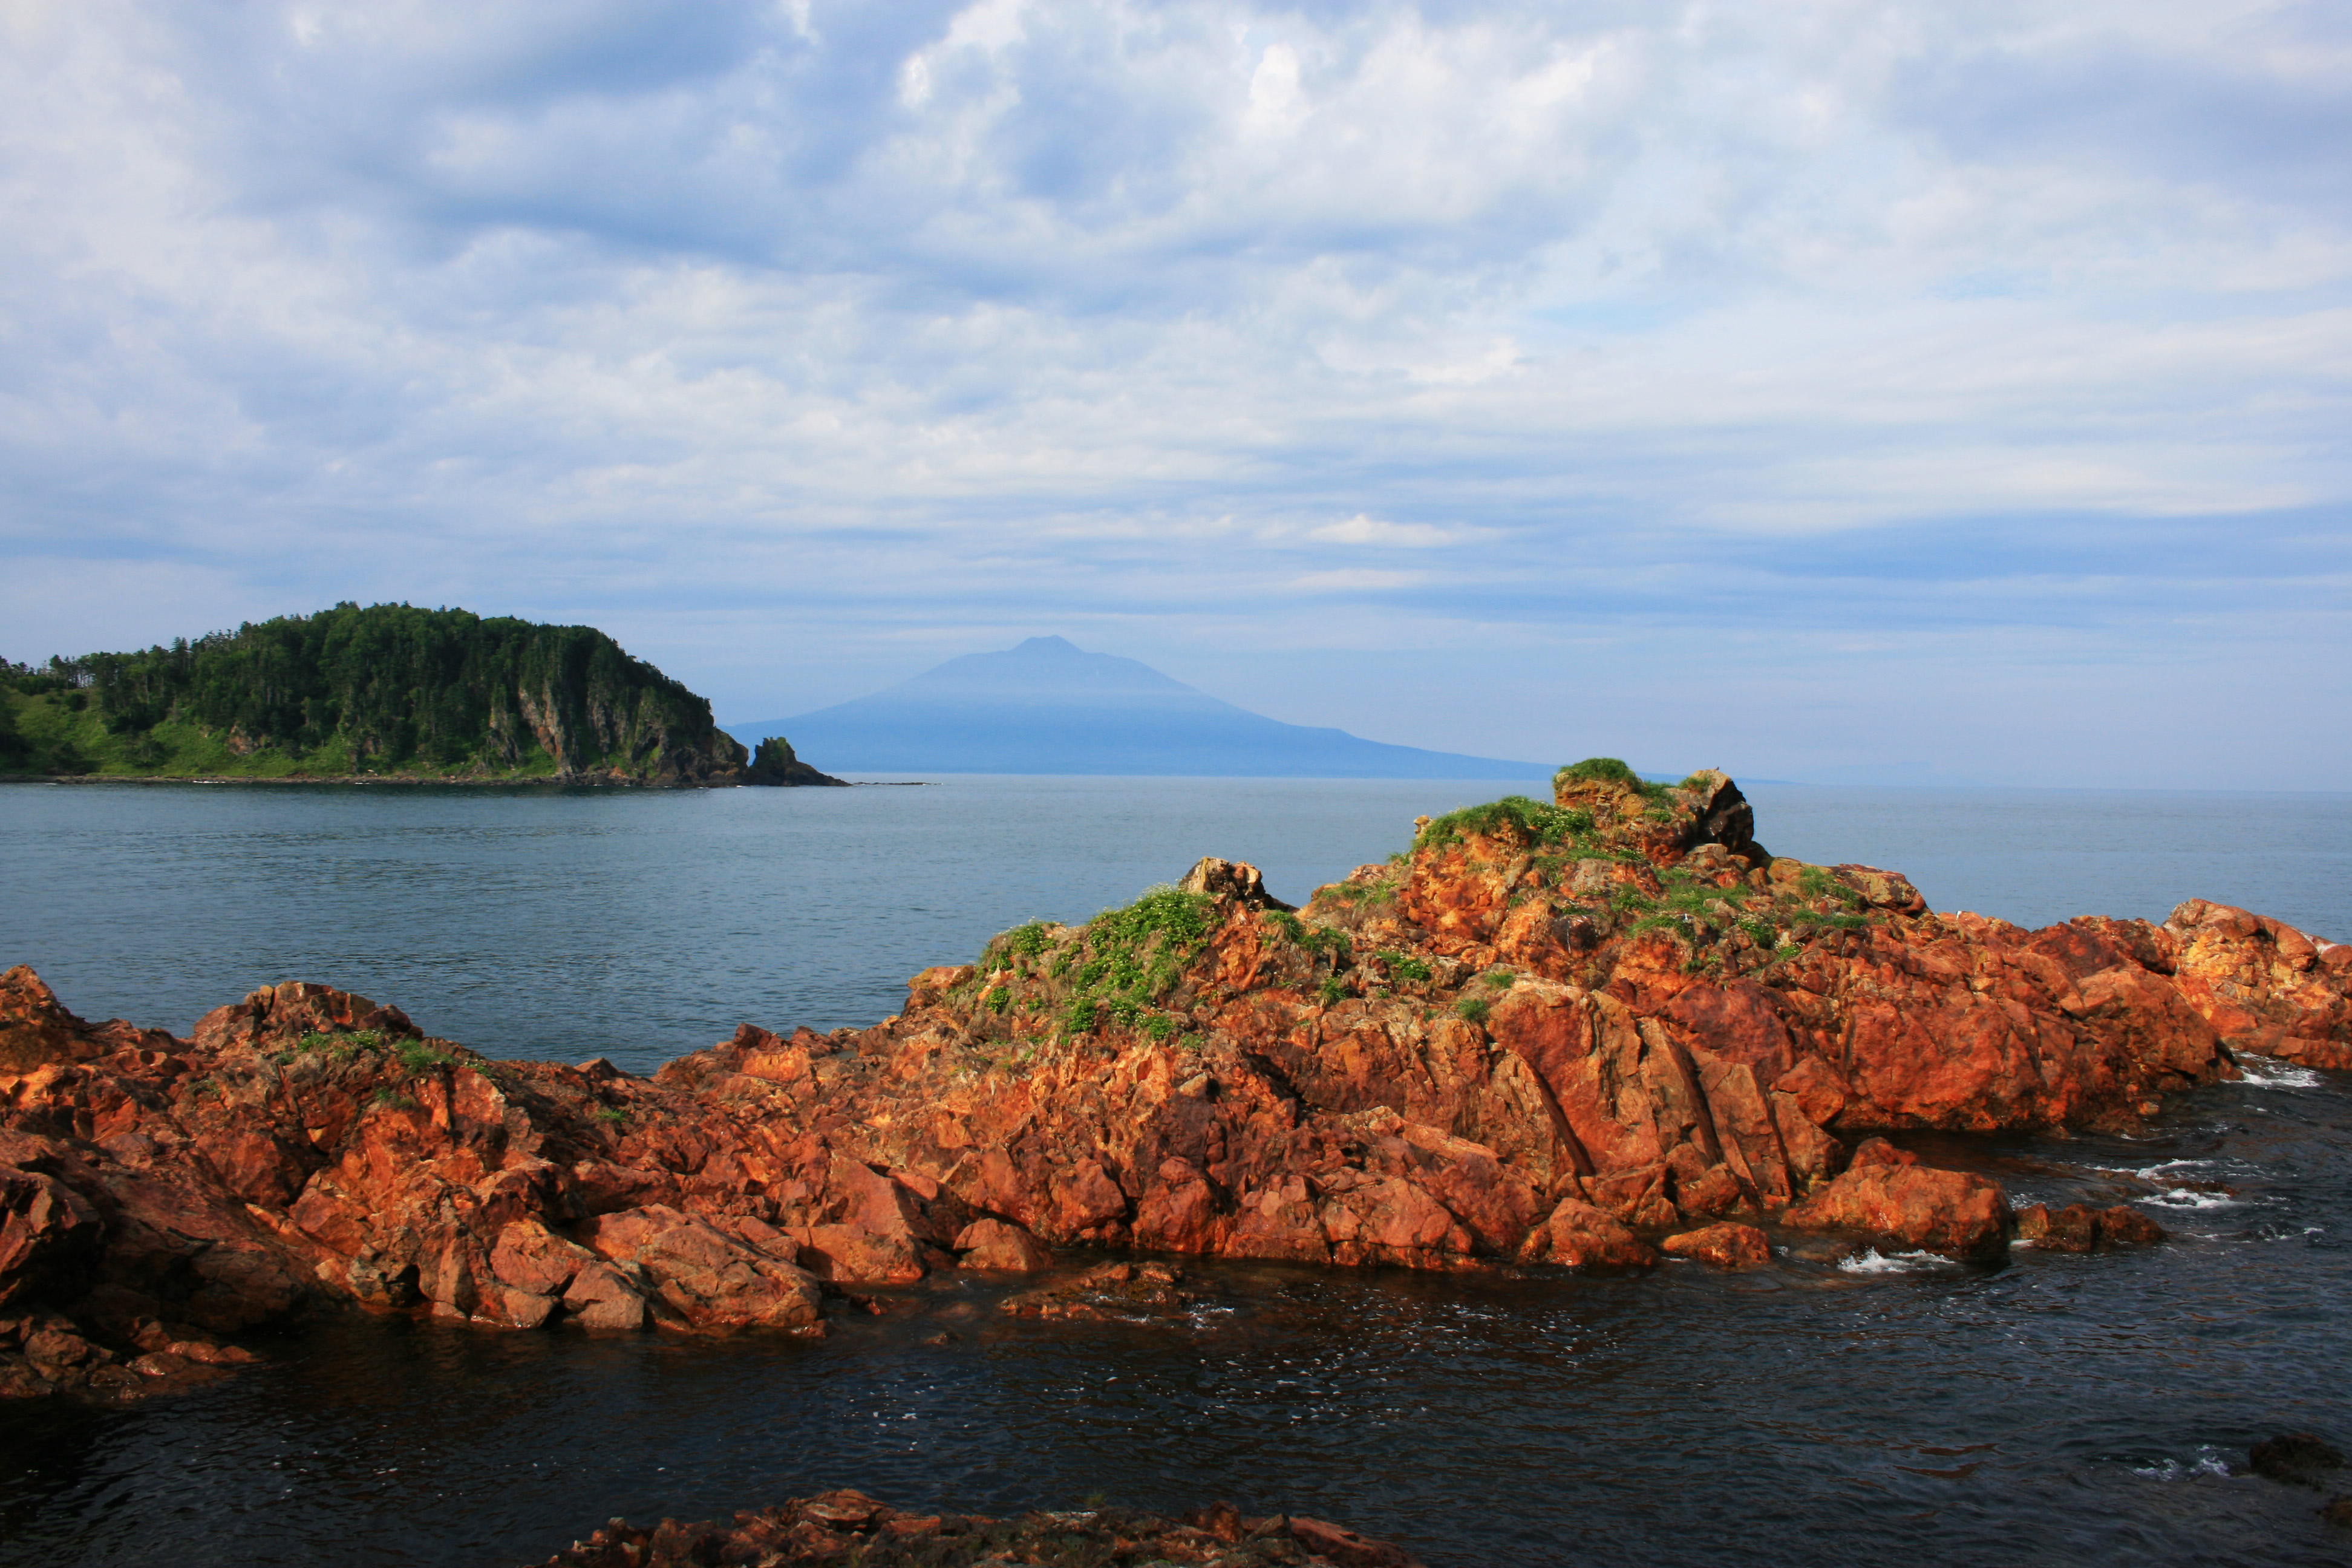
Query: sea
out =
(2055, 1409)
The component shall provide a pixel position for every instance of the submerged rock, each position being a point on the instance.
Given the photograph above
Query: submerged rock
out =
(2303, 1458)
(1550, 1035)
(2079, 1228)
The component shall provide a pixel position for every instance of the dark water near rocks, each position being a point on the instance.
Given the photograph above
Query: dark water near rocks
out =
(2057, 1410)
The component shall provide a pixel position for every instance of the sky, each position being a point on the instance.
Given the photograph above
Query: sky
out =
(1874, 391)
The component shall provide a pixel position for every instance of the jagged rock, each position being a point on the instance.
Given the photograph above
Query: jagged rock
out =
(773, 762)
(1235, 879)
(2263, 984)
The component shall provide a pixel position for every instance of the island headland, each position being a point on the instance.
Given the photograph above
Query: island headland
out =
(1573, 1034)
(376, 694)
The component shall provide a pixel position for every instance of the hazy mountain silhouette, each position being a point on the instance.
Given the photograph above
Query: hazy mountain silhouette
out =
(1047, 707)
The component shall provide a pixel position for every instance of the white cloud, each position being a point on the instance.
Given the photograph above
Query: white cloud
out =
(1010, 314)
(1363, 529)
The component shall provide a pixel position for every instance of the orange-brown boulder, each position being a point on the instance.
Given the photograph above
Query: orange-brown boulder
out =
(1888, 1196)
(993, 1244)
(1578, 1236)
(1728, 1245)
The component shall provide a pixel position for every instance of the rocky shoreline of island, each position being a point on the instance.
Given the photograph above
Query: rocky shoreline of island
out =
(848, 1527)
(1586, 1034)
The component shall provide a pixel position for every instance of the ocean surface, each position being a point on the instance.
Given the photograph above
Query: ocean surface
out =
(2055, 1410)
(640, 924)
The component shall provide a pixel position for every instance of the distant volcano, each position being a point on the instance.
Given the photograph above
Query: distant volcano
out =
(1047, 707)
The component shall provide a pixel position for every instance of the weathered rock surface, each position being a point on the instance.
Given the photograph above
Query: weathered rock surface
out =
(1550, 1035)
(848, 1527)
(2263, 986)
(1727, 1244)
(1886, 1194)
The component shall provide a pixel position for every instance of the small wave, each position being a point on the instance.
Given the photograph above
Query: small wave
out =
(2269, 1072)
(1870, 1261)
(2190, 1198)
(2163, 1171)
(2208, 1462)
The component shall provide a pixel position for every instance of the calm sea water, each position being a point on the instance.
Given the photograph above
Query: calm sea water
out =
(2056, 1410)
(642, 924)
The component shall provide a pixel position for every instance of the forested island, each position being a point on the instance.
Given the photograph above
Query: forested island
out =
(384, 691)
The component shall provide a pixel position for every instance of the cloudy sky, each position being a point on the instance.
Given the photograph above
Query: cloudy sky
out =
(1821, 390)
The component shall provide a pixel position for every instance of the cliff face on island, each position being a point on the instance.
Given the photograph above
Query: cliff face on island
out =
(385, 690)
(1571, 1033)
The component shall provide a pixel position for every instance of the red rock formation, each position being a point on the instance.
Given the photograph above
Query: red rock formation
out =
(2263, 986)
(1886, 1194)
(1551, 1034)
(1725, 1244)
(848, 1527)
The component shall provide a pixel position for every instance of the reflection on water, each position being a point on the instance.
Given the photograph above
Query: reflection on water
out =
(2062, 1409)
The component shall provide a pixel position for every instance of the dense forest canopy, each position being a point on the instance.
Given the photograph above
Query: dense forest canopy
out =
(383, 688)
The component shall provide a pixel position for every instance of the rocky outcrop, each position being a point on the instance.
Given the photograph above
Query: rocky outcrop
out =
(773, 762)
(1550, 1035)
(848, 1527)
(2262, 984)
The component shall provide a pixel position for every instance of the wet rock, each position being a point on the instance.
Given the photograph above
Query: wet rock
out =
(1114, 1291)
(1887, 1196)
(1345, 1547)
(1578, 1236)
(707, 1279)
(991, 1243)
(2301, 1458)
(1726, 1245)
(2079, 1228)
(844, 1527)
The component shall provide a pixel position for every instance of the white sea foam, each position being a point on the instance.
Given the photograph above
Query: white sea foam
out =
(2190, 1198)
(1870, 1261)
(2208, 1462)
(2165, 1171)
(2269, 1072)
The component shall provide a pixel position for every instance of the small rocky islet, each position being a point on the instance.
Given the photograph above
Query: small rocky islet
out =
(1586, 1034)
